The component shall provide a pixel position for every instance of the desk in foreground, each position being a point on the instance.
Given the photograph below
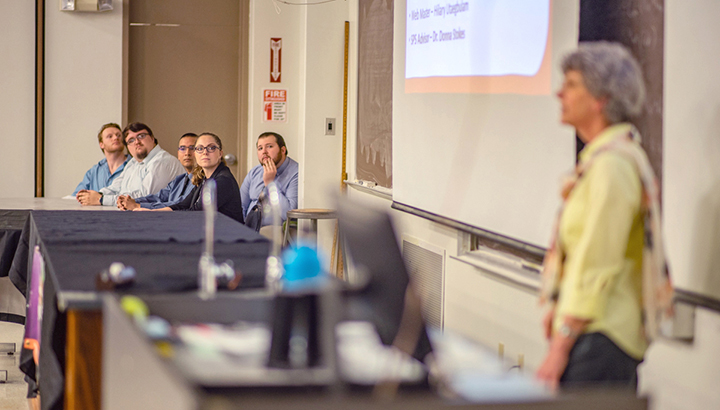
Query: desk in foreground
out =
(49, 204)
(135, 376)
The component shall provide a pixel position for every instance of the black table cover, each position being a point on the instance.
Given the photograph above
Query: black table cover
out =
(163, 247)
(11, 225)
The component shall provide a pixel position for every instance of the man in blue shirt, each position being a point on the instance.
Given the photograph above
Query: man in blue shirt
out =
(177, 189)
(104, 172)
(276, 166)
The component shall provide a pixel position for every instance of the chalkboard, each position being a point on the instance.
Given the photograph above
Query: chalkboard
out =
(639, 25)
(375, 59)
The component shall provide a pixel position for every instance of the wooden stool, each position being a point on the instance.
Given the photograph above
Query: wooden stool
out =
(313, 214)
(337, 261)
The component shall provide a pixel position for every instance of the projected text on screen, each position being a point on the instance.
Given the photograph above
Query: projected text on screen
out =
(483, 46)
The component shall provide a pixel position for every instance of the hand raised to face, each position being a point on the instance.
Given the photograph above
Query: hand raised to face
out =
(269, 171)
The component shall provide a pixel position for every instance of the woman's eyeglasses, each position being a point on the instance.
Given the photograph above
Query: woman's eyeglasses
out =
(210, 149)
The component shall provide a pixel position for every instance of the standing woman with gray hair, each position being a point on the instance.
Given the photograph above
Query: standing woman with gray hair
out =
(607, 286)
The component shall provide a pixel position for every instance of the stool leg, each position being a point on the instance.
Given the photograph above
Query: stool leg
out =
(337, 261)
(333, 253)
(285, 235)
(313, 232)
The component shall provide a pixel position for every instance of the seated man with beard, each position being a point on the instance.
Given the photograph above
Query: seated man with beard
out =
(276, 166)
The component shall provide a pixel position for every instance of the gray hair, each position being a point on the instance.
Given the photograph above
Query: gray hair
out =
(609, 71)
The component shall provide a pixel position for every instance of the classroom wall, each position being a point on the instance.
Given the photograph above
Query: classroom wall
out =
(477, 305)
(83, 84)
(683, 376)
(691, 191)
(266, 23)
(323, 99)
(83, 90)
(312, 72)
(17, 105)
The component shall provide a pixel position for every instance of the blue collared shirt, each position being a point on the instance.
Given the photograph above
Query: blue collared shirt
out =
(142, 178)
(286, 181)
(173, 193)
(99, 176)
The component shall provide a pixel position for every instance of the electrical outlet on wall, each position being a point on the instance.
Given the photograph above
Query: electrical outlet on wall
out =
(329, 126)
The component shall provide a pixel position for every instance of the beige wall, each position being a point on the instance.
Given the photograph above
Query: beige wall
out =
(312, 72)
(17, 101)
(475, 304)
(681, 376)
(83, 90)
(322, 159)
(691, 165)
(265, 23)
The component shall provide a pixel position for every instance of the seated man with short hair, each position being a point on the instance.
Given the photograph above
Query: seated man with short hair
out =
(176, 190)
(104, 172)
(276, 166)
(150, 169)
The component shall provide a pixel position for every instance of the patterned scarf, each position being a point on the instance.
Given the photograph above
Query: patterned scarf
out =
(657, 291)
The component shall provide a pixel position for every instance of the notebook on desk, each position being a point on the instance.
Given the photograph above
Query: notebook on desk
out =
(235, 356)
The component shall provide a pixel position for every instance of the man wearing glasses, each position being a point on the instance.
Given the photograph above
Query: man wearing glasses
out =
(150, 169)
(176, 190)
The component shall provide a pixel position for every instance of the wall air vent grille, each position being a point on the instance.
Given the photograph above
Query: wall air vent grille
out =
(426, 266)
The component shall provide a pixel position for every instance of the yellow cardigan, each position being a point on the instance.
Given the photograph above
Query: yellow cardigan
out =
(601, 232)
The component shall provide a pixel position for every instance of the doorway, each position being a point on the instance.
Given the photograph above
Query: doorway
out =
(187, 71)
